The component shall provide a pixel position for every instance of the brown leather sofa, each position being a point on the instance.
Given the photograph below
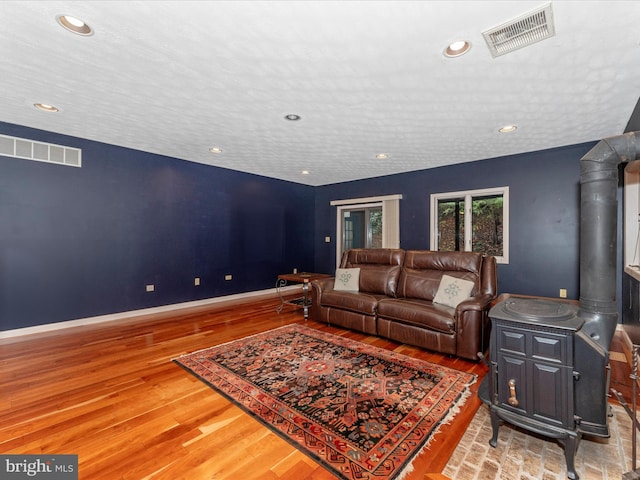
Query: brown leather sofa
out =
(395, 294)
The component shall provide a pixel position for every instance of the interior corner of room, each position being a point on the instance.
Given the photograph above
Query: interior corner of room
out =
(176, 161)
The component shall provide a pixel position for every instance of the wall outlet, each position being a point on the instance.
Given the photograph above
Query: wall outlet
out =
(150, 288)
(327, 239)
(295, 270)
(563, 293)
(196, 281)
(228, 277)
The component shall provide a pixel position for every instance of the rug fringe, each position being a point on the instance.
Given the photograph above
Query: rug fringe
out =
(453, 411)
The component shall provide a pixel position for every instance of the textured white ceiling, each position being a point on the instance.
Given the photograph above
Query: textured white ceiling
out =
(178, 77)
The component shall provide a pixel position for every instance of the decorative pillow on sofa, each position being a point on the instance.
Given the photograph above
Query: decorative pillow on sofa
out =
(452, 291)
(347, 279)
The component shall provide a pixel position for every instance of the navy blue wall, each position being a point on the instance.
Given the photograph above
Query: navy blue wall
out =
(82, 242)
(544, 213)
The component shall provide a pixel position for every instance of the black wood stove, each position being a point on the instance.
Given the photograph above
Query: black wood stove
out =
(549, 359)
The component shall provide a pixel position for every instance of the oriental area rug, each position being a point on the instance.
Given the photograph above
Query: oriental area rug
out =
(358, 410)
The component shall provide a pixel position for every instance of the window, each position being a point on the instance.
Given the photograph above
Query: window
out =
(362, 227)
(372, 222)
(474, 221)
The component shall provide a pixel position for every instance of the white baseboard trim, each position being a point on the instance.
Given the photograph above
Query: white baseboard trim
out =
(49, 327)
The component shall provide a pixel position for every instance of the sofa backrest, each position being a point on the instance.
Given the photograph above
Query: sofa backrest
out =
(379, 268)
(423, 270)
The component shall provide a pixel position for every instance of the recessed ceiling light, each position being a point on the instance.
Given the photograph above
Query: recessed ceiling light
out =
(215, 150)
(457, 48)
(305, 172)
(74, 25)
(508, 129)
(382, 156)
(45, 107)
(292, 117)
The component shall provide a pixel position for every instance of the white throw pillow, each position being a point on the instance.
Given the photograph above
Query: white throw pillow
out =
(452, 291)
(347, 279)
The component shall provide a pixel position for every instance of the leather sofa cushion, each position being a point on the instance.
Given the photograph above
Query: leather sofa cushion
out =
(380, 279)
(419, 313)
(423, 271)
(379, 269)
(380, 256)
(356, 302)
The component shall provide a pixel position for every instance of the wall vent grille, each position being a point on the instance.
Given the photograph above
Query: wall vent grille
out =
(40, 151)
(521, 32)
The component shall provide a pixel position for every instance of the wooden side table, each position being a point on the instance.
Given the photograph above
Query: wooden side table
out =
(303, 301)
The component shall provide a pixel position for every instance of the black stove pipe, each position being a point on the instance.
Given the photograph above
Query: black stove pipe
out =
(598, 234)
(598, 307)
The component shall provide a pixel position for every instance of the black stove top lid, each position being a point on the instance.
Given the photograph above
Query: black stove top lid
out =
(549, 312)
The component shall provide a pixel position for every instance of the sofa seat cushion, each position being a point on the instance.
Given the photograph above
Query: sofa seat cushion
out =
(418, 313)
(361, 302)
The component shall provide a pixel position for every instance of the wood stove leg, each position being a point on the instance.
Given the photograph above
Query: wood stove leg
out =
(495, 423)
(570, 447)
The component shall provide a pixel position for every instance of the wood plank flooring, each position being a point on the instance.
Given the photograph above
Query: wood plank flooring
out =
(111, 394)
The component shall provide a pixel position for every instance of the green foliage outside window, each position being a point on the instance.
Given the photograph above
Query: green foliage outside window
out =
(486, 224)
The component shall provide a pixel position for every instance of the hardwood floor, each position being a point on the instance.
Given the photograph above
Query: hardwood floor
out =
(111, 394)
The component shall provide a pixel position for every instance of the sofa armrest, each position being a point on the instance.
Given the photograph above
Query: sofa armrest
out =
(473, 326)
(318, 286)
(480, 302)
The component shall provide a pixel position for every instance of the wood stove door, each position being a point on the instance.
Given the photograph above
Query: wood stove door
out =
(512, 386)
(534, 373)
(552, 392)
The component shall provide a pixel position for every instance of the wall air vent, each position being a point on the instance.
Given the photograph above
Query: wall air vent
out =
(521, 32)
(40, 151)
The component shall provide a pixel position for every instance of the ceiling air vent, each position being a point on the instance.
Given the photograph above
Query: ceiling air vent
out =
(521, 32)
(40, 151)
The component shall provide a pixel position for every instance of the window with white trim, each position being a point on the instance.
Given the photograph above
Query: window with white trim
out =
(472, 221)
(371, 222)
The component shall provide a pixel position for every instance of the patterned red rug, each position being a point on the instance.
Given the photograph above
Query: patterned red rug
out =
(360, 411)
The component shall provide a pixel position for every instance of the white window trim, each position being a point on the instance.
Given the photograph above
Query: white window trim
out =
(468, 194)
(390, 219)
